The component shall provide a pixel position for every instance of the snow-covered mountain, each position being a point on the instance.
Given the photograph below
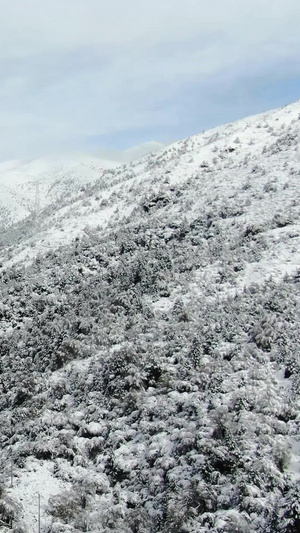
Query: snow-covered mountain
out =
(28, 186)
(233, 166)
(140, 150)
(149, 343)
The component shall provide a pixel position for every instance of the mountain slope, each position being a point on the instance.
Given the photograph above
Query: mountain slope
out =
(27, 187)
(237, 167)
(149, 343)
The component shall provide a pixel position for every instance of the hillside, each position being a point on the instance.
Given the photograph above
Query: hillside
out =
(26, 187)
(149, 343)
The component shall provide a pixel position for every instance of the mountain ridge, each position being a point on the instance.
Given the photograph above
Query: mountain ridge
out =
(205, 146)
(28, 186)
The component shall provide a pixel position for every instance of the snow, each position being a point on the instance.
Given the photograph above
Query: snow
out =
(294, 466)
(37, 479)
(29, 186)
(94, 428)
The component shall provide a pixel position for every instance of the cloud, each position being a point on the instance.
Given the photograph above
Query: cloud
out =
(72, 71)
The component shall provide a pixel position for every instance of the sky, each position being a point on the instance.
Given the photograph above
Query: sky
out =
(106, 75)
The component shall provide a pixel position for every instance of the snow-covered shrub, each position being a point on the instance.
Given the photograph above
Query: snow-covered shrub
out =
(65, 506)
(9, 511)
(252, 230)
(280, 220)
(270, 186)
(288, 520)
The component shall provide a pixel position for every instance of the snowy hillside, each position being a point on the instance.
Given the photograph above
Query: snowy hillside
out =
(149, 328)
(27, 187)
(245, 172)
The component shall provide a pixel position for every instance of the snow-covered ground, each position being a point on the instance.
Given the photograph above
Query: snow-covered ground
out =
(26, 187)
(31, 492)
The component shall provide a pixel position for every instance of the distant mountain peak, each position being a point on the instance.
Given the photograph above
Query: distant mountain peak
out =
(53, 176)
(140, 150)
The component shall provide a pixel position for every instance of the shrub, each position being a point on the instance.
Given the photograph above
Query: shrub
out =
(65, 506)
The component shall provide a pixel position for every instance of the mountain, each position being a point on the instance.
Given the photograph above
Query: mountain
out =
(140, 150)
(149, 343)
(133, 153)
(28, 186)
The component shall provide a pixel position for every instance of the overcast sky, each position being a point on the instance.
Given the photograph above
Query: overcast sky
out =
(90, 74)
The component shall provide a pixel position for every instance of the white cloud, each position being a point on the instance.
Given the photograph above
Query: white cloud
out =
(73, 69)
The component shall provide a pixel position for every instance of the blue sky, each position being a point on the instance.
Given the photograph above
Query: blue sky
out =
(107, 75)
(196, 110)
